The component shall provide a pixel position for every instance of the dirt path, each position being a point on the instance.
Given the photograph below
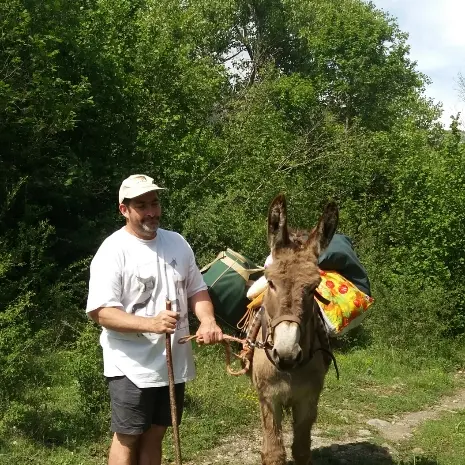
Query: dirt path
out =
(374, 442)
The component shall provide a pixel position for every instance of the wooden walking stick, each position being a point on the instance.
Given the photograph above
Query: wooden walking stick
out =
(174, 412)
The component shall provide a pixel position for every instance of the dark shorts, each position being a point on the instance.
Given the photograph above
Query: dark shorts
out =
(134, 410)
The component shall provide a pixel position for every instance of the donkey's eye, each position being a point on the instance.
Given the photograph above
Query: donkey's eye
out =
(271, 285)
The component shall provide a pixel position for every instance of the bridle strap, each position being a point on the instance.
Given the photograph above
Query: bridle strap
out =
(275, 321)
(265, 335)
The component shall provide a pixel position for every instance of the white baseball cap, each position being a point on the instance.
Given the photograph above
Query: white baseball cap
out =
(135, 185)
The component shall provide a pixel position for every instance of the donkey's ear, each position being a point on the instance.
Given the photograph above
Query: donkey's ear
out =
(325, 229)
(278, 235)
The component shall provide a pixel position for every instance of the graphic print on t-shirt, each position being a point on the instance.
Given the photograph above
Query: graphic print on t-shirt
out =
(146, 285)
(149, 289)
(180, 289)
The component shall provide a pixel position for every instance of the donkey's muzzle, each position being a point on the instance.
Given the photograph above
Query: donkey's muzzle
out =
(286, 353)
(288, 361)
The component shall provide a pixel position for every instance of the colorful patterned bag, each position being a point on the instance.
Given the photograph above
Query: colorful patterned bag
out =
(347, 304)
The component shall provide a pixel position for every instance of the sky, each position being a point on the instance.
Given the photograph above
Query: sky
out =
(437, 43)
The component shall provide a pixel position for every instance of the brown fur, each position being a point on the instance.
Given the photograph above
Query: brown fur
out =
(293, 275)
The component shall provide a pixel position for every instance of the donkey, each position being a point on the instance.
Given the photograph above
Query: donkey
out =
(290, 371)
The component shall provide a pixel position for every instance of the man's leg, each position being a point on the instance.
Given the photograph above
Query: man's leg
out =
(131, 411)
(123, 450)
(150, 446)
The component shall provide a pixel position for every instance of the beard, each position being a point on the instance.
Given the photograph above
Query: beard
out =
(150, 226)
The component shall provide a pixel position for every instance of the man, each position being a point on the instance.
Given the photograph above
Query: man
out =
(134, 272)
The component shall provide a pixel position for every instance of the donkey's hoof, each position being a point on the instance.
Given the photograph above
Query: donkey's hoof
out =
(273, 460)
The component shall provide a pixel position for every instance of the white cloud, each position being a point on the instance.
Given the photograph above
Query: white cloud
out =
(437, 44)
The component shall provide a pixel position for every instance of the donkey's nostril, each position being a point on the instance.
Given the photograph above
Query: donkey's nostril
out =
(299, 357)
(286, 365)
(275, 355)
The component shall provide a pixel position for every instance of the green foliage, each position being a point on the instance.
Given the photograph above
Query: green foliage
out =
(359, 56)
(23, 273)
(412, 237)
(87, 371)
(15, 346)
(323, 103)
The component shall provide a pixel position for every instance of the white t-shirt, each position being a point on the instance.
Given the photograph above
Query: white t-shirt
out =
(138, 276)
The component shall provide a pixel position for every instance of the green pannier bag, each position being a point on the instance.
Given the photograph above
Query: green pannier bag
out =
(228, 278)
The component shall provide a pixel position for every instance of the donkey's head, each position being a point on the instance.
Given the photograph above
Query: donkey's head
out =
(293, 278)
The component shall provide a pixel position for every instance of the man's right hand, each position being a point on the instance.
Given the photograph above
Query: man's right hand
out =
(165, 322)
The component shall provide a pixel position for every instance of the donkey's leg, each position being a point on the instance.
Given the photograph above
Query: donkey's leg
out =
(304, 413)
(273, 452)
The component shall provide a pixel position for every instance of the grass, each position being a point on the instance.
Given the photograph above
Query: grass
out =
(54, 430)
(49, 427)
(378, 382)
(375, 383)
(442, 440)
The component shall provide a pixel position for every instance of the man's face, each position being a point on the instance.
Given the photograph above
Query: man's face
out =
(143, 215)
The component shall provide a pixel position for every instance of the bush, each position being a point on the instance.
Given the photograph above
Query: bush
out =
(87, 369)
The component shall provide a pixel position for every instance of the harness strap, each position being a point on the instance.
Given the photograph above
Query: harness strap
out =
(333, 358)
(254, 328)
(319, 297)
(323, 333)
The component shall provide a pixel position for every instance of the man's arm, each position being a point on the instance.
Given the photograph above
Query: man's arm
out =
(209, 332)
(117, 319)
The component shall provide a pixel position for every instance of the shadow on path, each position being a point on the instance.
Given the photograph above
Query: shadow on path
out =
(361, 453)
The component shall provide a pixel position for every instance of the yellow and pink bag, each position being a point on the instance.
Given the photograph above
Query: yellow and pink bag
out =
(347, 304)
(346, 308)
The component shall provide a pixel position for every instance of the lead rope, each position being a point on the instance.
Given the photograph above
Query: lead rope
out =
(245, 356)
(250, 343)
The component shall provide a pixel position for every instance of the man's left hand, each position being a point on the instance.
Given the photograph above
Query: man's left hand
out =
(209, 333)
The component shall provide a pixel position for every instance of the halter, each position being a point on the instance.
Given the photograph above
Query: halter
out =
(266, 344)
